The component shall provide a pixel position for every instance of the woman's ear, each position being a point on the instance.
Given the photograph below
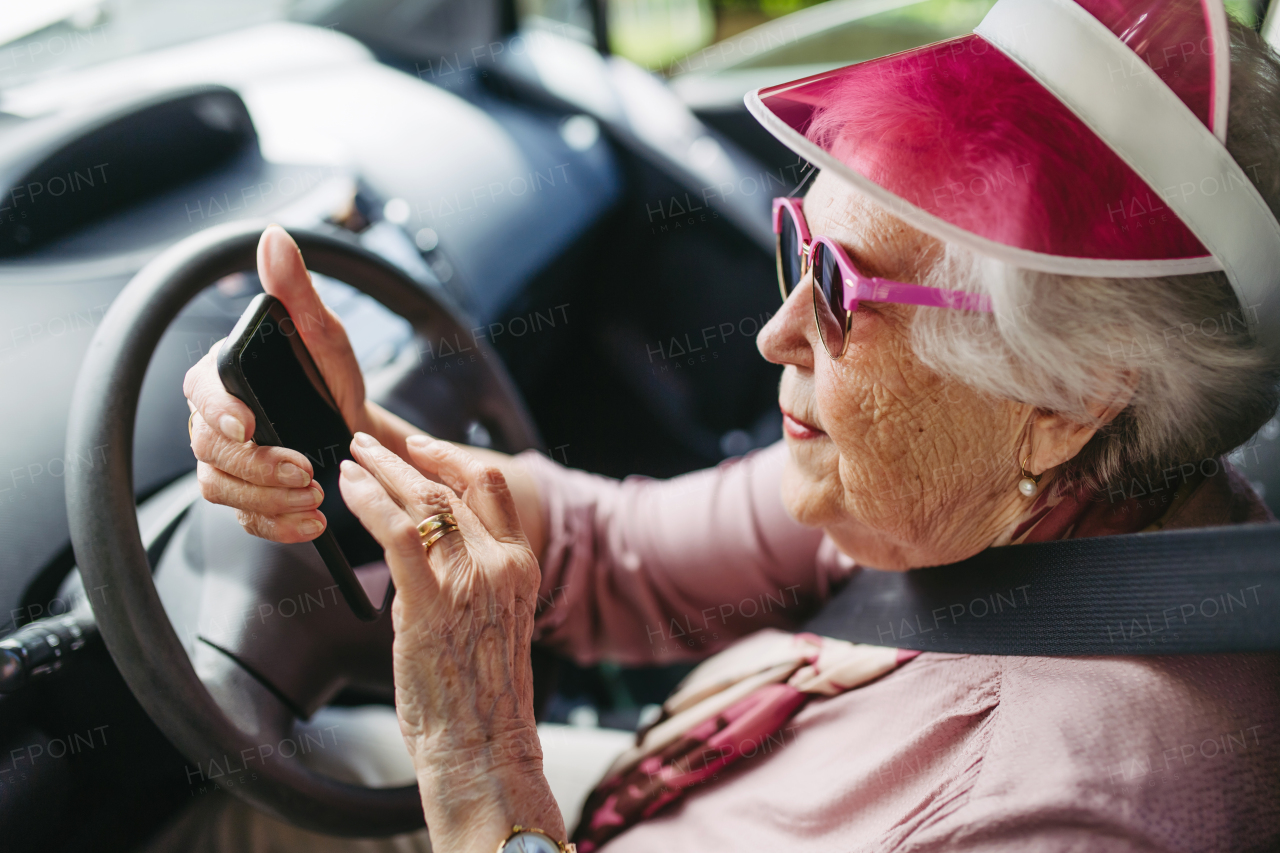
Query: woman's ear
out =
(1055, 438)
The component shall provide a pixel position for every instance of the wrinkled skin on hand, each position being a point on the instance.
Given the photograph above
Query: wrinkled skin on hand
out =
(270, 487)
(463, 617)
(463, 613)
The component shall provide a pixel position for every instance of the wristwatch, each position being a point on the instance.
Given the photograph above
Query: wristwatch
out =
(530, 840)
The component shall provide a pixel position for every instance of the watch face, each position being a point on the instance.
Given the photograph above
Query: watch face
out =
(530, 842)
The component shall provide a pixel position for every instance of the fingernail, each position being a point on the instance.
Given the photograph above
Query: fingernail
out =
(304, 497)
(418, 440)
(282, 248)
(365, 440)
(291, 475)
(232, 428)
(352, 471)
(310, 527)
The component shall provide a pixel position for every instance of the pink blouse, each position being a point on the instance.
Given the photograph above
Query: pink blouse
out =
(948, 752)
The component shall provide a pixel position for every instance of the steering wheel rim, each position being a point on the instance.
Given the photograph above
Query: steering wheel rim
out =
(107, 543)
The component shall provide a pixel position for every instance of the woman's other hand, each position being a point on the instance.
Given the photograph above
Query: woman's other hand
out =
(463, 618)
(271, 487)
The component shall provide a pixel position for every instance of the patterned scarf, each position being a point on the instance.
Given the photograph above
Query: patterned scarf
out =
(735, 704)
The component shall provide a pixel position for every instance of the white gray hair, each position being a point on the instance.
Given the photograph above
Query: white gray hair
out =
(1062, 342)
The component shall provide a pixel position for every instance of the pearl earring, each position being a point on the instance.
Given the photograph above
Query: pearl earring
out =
(1029, 482)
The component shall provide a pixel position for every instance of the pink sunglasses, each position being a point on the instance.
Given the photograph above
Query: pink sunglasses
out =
(837, 283)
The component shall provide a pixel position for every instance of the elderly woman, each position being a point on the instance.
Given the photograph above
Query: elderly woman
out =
(955, 379)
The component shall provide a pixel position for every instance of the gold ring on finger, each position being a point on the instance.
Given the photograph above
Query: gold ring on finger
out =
(437, 535)
(433, 523)
(432, 529)
(190, 418)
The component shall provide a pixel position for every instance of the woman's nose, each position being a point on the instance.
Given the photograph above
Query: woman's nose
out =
(785, 339)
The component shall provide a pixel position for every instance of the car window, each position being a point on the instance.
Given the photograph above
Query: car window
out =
(44, 38)
(747, 44)
(682, 36)
(658, 33)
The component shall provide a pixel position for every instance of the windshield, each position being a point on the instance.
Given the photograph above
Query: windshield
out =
(50, 37)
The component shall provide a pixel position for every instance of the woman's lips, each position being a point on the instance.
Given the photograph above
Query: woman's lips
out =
(798, 429)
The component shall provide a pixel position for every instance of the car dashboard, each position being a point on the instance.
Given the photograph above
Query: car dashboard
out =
(99, 183)
(558, 228)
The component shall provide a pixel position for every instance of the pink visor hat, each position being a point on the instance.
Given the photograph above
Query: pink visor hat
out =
(1083, 138)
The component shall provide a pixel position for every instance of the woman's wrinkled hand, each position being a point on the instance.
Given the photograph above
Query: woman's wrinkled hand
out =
(464, 609)
(271, 487)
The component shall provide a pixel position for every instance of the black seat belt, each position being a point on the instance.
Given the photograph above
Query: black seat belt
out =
(1171, 592)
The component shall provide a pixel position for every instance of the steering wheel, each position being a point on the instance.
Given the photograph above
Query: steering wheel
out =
(230, 703)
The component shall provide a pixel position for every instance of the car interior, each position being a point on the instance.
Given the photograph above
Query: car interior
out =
(543, 228)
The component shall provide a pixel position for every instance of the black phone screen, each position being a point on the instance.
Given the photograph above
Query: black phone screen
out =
(282, 376)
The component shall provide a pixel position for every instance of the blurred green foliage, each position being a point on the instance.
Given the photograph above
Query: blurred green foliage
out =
(658, 33)
(655, 33)
(1245, 11)
(777, 8)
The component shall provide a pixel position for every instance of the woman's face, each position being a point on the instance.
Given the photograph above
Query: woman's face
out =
(903, 468)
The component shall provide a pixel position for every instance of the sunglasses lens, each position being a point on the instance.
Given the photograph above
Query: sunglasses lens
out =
(828, 300)
(788, 255)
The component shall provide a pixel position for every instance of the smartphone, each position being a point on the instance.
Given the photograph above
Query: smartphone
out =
(265, 364)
